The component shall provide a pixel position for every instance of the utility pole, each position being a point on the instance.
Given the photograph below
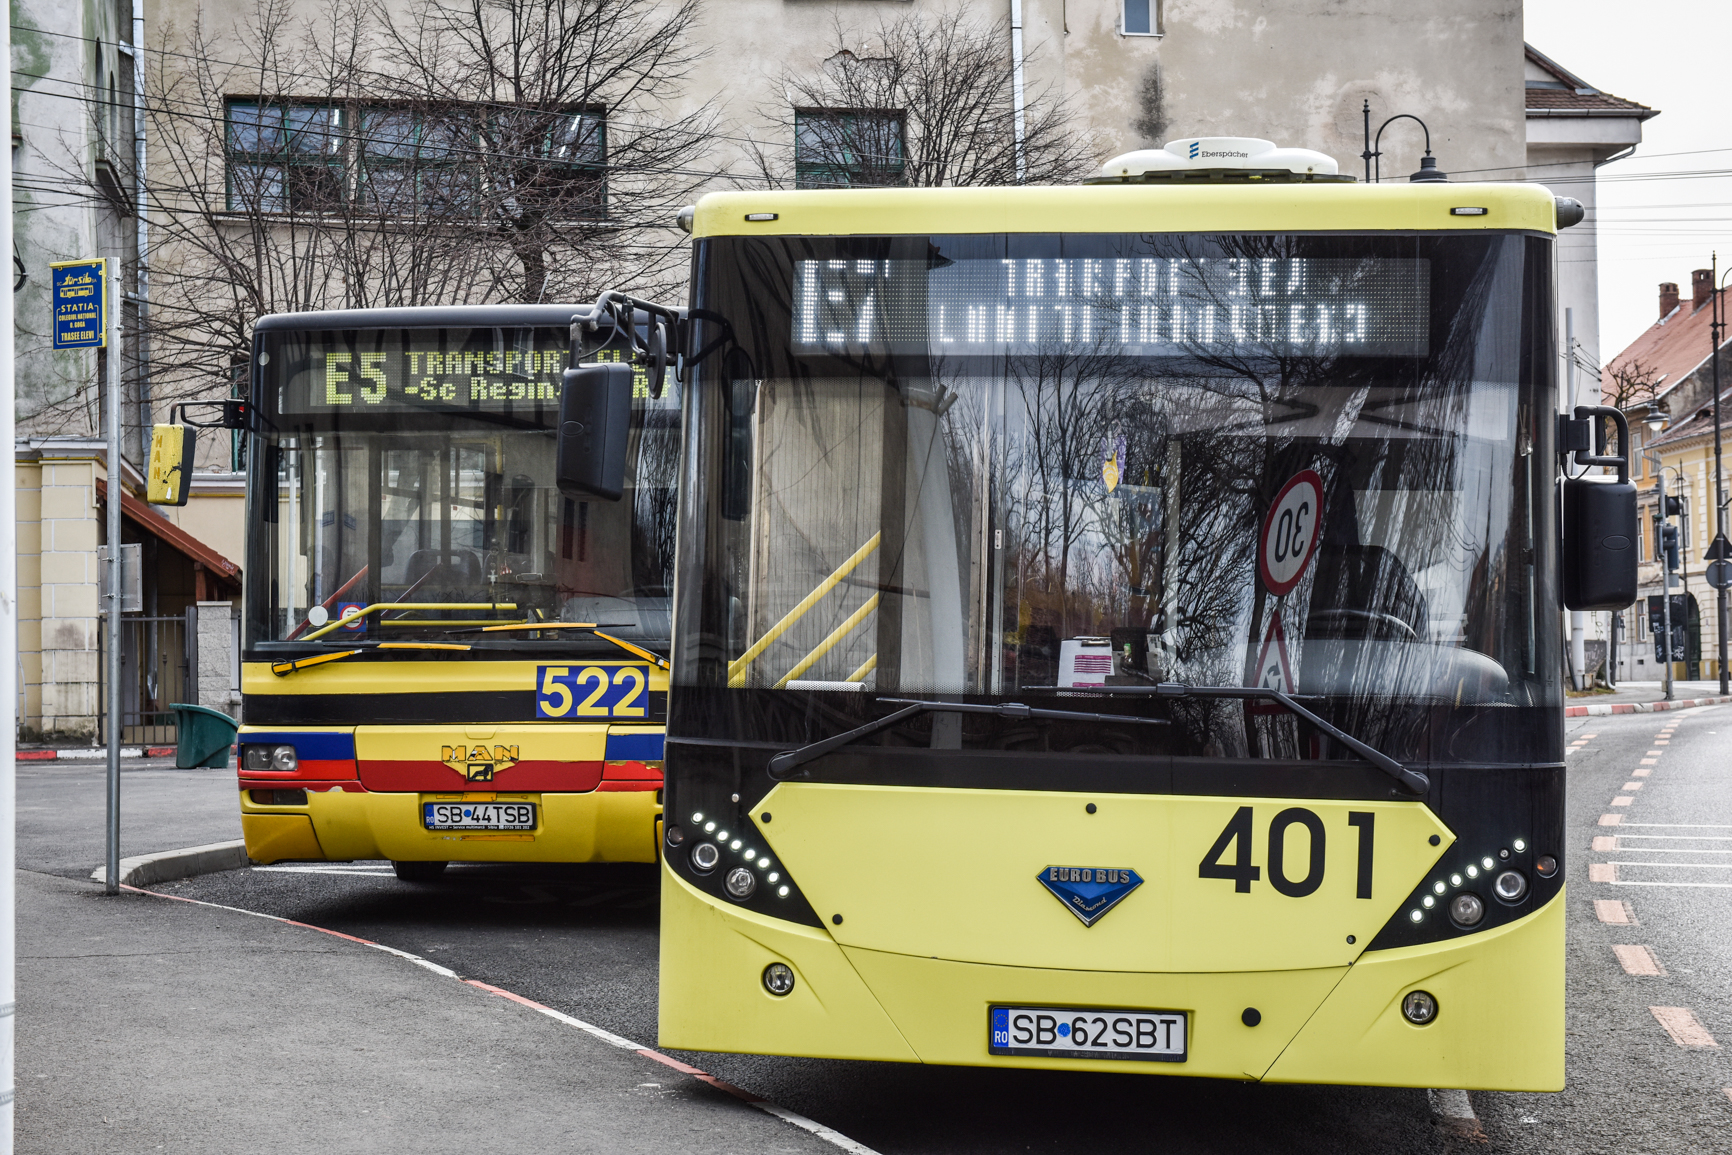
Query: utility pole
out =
(1721, 618)
(116, 486)
(8, 651)
(1665, 581)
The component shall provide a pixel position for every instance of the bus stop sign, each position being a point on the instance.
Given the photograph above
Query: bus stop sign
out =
(80, 297)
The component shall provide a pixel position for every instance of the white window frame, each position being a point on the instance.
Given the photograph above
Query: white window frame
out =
(1156, 23)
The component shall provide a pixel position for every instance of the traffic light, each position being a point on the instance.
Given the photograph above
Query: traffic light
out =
(1674, 507)
(1669, 545)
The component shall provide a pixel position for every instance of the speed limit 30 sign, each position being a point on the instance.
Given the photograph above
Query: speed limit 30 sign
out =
(1290, 532)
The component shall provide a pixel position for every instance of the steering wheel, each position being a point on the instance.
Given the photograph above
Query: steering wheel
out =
(1367, 616)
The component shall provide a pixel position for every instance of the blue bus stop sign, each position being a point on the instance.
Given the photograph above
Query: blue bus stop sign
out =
(80, 304)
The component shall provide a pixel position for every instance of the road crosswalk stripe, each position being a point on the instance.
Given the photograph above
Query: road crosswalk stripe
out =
(1614, 912)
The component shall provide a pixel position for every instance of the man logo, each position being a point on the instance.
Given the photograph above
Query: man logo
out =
(1089, 891)
(478, 763)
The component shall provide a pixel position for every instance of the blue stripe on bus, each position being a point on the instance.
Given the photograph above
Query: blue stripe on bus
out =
(311, 746)
(634, 747)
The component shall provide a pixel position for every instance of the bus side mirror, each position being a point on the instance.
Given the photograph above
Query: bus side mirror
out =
(169, 479)
(1599, 544)
(594, 426)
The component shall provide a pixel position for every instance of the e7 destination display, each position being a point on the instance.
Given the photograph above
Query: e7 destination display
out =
(1127, 306)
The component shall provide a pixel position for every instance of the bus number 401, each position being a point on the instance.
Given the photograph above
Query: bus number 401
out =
(1238, 835)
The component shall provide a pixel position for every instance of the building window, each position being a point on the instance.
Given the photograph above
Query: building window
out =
(1683, 524)
(848, 149)
(289, 157)
(1140, 17)
(284, 157)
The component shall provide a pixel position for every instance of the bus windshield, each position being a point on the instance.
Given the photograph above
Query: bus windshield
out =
(1049, 465)
(403, 491)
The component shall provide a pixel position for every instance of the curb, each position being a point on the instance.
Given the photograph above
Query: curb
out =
(93, 753)
(144, 869)
(1639, 707)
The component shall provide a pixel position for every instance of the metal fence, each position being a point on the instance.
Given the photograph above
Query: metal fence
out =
(158, 664)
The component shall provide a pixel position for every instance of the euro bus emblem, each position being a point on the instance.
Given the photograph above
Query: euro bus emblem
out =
(478, 763)
(1089, 891)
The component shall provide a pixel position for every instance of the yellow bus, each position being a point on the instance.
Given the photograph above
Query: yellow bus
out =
(1118, 627)
(445, 658)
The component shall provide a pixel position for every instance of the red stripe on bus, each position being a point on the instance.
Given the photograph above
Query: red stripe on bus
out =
(567, 777)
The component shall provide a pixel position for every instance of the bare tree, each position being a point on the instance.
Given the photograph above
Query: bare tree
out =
(336, 155)
(924, 99)
(556, 113)
(1630, 384)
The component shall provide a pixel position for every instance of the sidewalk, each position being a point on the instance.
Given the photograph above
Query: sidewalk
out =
(62, 808)
(146, 1024)
(1644, 697)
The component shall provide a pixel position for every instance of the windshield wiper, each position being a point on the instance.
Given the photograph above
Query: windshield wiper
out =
(590, 627)
(785, 762)
(284, 669)
(1412, 779)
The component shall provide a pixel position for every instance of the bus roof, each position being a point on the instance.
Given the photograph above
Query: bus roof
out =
(431, 317)
(1201, 207)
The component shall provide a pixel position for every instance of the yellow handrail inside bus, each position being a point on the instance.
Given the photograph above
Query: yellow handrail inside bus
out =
(379, 607)
(737, 668)
(829, 643)
(866, 667)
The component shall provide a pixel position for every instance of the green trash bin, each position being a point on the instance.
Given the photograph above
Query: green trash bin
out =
(204, 736)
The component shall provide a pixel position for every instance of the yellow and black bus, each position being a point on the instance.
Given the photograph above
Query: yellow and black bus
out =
(445, 659)
(1117, 626)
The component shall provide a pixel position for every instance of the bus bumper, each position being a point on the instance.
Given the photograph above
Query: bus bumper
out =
(1499, 1027)
(339, 825)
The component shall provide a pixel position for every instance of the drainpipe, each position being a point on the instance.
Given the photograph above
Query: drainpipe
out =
(1016, 84)
(141, 298)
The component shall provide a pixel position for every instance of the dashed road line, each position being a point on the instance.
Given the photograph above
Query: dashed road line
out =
(1681, 1024)
(1634, 785)
(829, 1135)
(1639, 960)
(1602, 872)
(1642, 771)
(1605, 843)
(1622, 800)
(1611, 820)
(1614, 912)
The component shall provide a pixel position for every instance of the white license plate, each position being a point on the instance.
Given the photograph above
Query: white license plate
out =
(478, 815)
(1069, 1033)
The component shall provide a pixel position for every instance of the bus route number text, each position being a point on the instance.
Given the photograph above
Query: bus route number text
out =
(576, 693)
(1291, 875)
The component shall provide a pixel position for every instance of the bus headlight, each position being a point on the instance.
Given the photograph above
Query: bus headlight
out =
(1419, 1008)
(1510, 886)
(778, 978)
(277, 758)
(740, 883)
(283, 758)
(1467, 909)
(704, 857)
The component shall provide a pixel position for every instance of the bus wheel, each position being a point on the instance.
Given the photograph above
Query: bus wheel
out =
(418, 871)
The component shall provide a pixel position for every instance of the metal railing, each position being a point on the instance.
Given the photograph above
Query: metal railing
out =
(740, 666)
(157, 667)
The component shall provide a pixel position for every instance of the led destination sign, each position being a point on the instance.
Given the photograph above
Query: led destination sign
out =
(1135, 306)
(415, 370)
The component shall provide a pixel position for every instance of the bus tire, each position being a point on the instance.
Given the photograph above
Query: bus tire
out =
(418, 871)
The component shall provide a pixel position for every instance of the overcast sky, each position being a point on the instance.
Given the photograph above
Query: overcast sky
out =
(1659, 219)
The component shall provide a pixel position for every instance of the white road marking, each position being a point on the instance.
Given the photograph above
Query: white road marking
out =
(1682, 1025)
(1605, 843)
(1685, 865)
(1655, 849)
(1643, 882)
(1622, 800)
(365, 873)
(1684, 825)
(1674, 837)
(1642, 771)
(1639, 960)
(1454, 1111)
(1602, 872)
(1633, 785)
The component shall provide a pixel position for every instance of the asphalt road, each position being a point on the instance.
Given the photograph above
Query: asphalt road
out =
(583, 940)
